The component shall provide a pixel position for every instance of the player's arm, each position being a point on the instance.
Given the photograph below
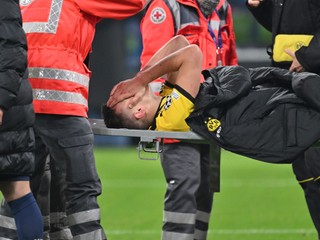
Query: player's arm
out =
(185, 61)
(184, 65)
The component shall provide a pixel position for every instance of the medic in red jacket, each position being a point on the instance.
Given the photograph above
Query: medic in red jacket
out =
(214, 34)
(59, 35)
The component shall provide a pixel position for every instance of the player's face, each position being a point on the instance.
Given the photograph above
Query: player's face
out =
(122, 109)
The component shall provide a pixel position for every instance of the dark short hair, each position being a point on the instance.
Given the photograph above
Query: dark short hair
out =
(110, 118)
(113, 120)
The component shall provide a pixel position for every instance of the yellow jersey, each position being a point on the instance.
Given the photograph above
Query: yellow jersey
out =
(175, 106)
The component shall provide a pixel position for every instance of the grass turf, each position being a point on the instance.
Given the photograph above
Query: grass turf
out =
(257, 200)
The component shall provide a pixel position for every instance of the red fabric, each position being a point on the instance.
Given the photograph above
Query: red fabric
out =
(115, 9)
(67, 48)
(155, 35)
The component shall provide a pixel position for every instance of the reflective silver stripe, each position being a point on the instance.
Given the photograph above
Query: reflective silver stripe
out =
(175, 8)
(200, 235)
(96, 235)
(215, 25)
(59, 96)
(225, 13)
(46, 235)
(85, 216)
(183, 218)
(46, 27)
(225, 9)
(57, 217)
(62, 234)
(202, 216)
(2, 238)
(7, 222)
(46, 220)
(59, 74)
(175, 236)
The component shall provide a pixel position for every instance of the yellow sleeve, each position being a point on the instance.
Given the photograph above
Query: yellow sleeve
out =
(173, 111)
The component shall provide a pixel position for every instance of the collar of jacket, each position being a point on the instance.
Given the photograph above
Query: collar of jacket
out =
(194, 3)
(188, 2)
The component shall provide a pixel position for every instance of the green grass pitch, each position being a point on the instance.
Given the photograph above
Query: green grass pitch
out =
(258, 201)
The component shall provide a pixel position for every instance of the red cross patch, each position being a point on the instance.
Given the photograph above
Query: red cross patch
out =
(158, 15)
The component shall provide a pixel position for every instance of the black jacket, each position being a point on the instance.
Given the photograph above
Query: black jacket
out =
(293, 17)
(16, 134)
(268, 114)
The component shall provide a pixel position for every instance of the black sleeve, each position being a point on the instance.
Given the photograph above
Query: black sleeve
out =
(229, 83)
(309, 57)
(271, 75)
(13, 57)
(314, 7)
(263, 13)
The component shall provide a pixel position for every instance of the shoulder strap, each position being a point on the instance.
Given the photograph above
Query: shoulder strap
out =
(222, 11)
(144, 11)
(174, 7)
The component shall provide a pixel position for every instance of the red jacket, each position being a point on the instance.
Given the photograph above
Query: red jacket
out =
(159, 25)
(166, 18)
(59, 36)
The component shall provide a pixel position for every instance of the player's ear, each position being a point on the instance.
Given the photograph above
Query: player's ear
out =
(140, 113)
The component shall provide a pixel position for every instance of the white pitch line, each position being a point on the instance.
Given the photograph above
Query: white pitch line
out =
(223, 232)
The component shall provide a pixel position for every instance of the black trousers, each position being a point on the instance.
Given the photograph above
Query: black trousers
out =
(65, 183)
(307, 171)
(189, 197)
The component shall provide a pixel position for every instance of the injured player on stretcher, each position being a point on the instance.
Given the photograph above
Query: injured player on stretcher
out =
(266, 113)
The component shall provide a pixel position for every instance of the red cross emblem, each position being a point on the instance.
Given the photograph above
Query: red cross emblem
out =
(158, 15)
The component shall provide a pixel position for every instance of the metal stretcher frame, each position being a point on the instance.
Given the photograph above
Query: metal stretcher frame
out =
(147, 137)
(152, 142)
(100, 128)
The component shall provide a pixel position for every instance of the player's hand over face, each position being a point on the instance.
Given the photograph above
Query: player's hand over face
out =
(254, 3)
(296, 65)
(126, 89)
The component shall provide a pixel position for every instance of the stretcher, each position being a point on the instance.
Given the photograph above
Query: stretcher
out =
(151, 142)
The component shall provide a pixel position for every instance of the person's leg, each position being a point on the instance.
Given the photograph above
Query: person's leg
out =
(311, 189)
(40, 182)
(40, 187)
(24, 208)
(7, 221)
(59, 228)
(47, 188)
(204, 194)
(181, 166)
(312, 160)
(70, 142)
